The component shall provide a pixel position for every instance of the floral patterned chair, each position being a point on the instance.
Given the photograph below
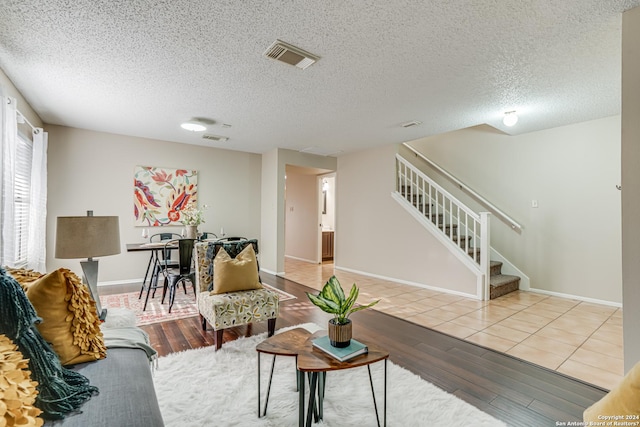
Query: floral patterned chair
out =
(230, 309)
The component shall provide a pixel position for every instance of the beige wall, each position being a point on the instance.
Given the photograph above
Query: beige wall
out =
(631, 184)
(301, 217)
(571, 243)
(375, 235)
(94, 171)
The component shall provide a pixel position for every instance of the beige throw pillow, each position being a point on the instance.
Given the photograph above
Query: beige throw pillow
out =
(235, 274)
(620, 404)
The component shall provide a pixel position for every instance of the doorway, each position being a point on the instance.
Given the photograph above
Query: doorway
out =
(327, 193)
(305, 203)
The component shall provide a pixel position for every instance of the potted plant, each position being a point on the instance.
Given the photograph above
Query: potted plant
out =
(332, 300)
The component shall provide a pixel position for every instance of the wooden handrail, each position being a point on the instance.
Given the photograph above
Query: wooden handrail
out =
(494, 209)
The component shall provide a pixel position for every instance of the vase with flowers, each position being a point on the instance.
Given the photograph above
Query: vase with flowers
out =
(192, 216)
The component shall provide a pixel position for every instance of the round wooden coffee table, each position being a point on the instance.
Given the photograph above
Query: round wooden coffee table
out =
(315, 363)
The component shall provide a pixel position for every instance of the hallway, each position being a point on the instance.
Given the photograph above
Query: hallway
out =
(579, 339)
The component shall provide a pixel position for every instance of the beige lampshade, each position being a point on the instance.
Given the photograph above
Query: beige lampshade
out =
(87, 236)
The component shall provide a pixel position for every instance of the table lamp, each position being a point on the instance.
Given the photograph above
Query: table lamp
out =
(87, 237)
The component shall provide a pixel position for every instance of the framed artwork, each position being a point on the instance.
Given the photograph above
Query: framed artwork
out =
(159, 194)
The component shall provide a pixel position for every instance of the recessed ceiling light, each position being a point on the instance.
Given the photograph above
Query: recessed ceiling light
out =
(510, 118)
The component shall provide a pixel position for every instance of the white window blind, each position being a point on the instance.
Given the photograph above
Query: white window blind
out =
(22, 197)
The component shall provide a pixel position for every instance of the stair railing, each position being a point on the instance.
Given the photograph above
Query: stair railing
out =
(497, 211)
(465, 232)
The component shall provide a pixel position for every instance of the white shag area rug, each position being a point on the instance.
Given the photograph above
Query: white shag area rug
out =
(202, 387)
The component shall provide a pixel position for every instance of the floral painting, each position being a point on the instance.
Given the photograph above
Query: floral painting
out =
(160, 194)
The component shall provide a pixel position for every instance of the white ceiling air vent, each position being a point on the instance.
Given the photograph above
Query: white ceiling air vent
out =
(215, 138)
(411, 124)
(284, 52)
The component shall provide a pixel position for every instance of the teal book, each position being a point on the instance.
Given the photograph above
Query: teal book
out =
(355, 348)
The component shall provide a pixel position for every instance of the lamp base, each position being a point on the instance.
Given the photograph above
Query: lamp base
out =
(90, 276)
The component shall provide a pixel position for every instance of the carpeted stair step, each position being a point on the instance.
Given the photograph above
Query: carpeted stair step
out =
(463, 241)
(474, 251)
(447, 227)
(502, 284)
(495, 268)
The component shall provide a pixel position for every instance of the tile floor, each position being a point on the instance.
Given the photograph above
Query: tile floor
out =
(580, 339)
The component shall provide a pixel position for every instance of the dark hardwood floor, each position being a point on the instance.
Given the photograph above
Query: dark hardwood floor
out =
(514, 391)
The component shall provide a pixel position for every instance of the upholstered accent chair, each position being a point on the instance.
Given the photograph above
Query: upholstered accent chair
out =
(223, 309)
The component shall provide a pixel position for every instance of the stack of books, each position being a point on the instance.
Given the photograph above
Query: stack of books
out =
(355, 348)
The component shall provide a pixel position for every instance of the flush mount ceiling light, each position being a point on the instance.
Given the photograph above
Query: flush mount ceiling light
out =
(289, 54)
(510, 118)
(196, 125)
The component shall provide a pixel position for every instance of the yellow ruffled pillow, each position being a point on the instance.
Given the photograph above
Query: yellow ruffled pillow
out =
(235, 274)
(17, 390)
(69, 317)
(623, 401)
(23, 276)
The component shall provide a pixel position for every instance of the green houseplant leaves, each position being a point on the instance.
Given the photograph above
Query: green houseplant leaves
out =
(333, 300)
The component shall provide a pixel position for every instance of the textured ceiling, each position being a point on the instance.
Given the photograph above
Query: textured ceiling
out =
(140, 67)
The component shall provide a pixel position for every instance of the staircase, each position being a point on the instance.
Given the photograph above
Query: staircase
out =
(463, 230)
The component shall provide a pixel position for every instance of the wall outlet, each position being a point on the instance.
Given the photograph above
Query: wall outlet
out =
(534, 203)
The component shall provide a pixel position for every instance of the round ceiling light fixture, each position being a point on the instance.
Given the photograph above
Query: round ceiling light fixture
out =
(193, 125)
(510, 118)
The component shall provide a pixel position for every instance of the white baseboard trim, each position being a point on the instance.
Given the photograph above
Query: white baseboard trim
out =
(406, 282)
(302, 259)
(119, 282)
(271, 272)
(576, 297)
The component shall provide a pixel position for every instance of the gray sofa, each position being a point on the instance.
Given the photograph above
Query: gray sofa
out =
(127, 396)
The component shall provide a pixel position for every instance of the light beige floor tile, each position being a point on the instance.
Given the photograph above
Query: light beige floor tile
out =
(422, 305)
(537, 356)
(448, 298)
(472, 322)
(491, 341)
(561, 335)
(614, 338)
(460, 310)
(542, 312)
(587, 307)
(443, 314)
(496, 323)
(520, 325)
(424, 319)
(455, 330)
(609, 328)
(614, 321)
(599, 360)
(575, 326)
(552, 346)
(531, 318)
(563, 303)
(506, 332)
(603, 347)
(590, 374)
(550, 307)
(470, 303)
(508, 303)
